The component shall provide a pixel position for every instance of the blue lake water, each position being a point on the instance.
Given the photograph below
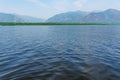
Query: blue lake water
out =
(59, 52)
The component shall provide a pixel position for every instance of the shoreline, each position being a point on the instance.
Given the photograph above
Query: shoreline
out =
(37, 23)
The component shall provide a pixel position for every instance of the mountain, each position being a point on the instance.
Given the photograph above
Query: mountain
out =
(68, 17)
(107, 16)
(4, 17)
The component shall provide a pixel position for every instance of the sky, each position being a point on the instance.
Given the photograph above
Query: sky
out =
(47, 8)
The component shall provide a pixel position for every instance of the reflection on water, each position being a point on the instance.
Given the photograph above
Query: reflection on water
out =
(60, 53)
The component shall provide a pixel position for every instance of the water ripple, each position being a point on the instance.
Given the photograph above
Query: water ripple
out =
(59, 53)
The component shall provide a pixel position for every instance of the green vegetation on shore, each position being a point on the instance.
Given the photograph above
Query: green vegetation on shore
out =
(45, 23)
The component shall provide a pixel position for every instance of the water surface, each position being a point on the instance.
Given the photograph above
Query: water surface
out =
(59, 52)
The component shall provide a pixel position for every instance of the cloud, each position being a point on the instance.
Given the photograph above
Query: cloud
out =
(38, 3)
(67, 5)
(78, 3)
(33, 1)
(59, 5)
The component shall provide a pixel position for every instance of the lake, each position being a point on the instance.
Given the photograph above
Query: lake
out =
(60, 52)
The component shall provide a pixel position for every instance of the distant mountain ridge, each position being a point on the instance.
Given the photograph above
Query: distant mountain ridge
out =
(68, 17)
(4, 17)
(107, 16)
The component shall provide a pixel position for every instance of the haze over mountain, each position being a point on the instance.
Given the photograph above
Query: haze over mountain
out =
(47, 8)
(107, 16)
(68, 17)
(4, 17)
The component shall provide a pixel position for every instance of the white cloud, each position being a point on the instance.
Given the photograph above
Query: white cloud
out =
(38, 3)
(58, 6)
(34, 1)
(78, 3)
(61, 5)
(67, 5)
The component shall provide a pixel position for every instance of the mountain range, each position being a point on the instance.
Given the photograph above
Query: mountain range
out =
(106, 16)
(4, 17)
(68, 17)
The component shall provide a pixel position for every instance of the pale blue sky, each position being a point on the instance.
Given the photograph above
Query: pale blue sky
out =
(47, 8)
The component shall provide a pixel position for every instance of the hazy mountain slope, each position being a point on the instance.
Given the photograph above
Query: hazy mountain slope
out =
(68, 17)
(107, 16)
(17, 18)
